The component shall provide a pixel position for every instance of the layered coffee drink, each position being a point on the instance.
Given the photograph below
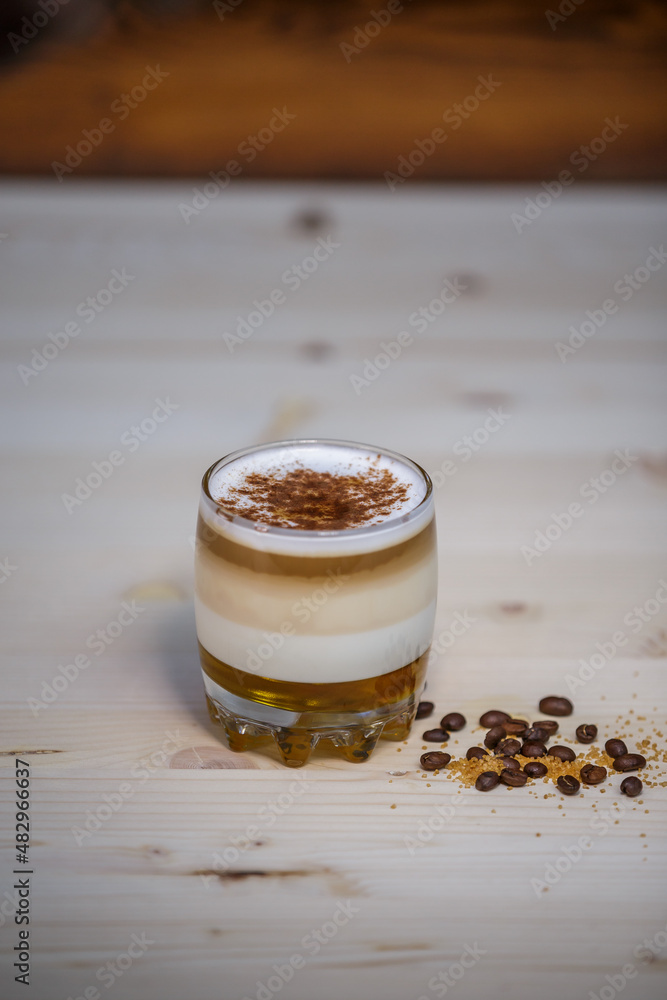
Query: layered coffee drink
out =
(315, 595)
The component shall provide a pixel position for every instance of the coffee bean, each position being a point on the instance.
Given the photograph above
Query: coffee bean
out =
(550, 725)
(535, 769)
(424, 709)
(586, 733)
(508, 747)
(453, 721)
(494, 736)
(536, 733)
(514, 727)
(554, 705)
(615, 748)
(476, 753)
(592, 774)
(562, 753)
(535, 749)
(434, 760)
(493, 718)
(567, 784)
(435, 736)
(631, 786)
(515, 779)
(510, 763)
(629, 762)
(486, 781)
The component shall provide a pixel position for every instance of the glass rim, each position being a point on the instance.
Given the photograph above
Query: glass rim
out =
(270, 530)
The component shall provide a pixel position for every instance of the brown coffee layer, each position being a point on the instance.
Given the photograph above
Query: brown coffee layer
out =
(319, 605)
(348, 696)
(412, 550)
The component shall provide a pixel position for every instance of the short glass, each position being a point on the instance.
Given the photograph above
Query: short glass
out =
(308, 635)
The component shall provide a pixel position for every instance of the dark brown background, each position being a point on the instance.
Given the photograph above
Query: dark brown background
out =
(353, 120)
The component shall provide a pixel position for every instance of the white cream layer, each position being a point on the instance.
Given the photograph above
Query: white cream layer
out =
(315, 659)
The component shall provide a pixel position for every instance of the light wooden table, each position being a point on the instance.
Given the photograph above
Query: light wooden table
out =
(230, 866)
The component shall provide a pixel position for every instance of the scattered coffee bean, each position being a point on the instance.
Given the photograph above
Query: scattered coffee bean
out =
(592, 774)
(562, 753)
(476, 753)
(508, 747)
(514, 727)
(434, 760)
(510, 763)
(535, 769)
(453, 721)
(515, 779)
(567, 784)
(534, 749)
(615, 748)
(486, 781)
(536, 733)
(554, 705)
(631, 786)
(494, 736)
(629, 762)
(586, 733)
(424, 709)
(435, 736)
(549, 725)
(493, 718)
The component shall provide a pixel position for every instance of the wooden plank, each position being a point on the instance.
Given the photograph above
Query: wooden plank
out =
(178, 860)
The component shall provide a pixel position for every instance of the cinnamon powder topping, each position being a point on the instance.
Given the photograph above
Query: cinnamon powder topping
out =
(317, 501)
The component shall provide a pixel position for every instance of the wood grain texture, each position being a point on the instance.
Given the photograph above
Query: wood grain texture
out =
(228, 871)
(358, 111)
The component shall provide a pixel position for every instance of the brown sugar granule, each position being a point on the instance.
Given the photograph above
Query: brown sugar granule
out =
(467, 771)
(315, 501)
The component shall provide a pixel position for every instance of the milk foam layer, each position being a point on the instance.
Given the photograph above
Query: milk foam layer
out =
(315, 659)
(406, 518)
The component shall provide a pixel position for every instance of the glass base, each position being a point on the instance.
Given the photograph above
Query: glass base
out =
(255, 712)
(295, 745)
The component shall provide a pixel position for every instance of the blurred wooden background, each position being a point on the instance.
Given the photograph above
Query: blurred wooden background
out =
(230, 64)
